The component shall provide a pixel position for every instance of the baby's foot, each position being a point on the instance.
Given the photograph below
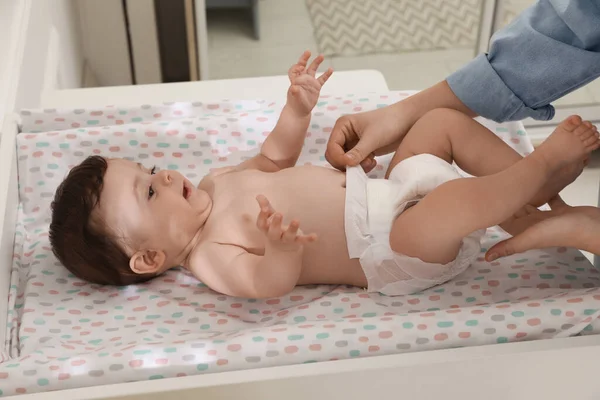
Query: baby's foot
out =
(560, 179)
(570, 143)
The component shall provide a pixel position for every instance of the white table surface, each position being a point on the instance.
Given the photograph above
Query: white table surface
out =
(269, 87)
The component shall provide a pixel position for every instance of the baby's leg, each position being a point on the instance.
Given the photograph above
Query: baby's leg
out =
(453, 136)
(440, 221)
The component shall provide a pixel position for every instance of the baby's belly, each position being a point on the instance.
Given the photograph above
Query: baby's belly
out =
(316, 197)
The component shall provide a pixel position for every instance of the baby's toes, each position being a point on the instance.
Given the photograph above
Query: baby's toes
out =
(583, 130)
(571, 123)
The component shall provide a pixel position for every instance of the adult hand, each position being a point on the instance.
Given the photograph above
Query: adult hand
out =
(358, 138)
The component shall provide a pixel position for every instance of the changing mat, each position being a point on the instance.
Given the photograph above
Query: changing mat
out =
(66, 333)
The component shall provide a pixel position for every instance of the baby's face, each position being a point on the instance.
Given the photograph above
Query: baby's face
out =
(152, 211)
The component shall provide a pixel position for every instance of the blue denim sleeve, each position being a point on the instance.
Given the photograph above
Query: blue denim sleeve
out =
(549, 50)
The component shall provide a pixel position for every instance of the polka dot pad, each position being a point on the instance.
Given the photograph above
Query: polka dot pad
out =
(65, 333)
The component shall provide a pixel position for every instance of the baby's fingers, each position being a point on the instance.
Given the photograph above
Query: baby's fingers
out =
(262, 221)
(275, 230)
(323, 78)
(314, 66)
(289, 236)
(306, 239)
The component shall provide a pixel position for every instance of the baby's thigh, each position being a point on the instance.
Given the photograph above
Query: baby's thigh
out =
(429, 135)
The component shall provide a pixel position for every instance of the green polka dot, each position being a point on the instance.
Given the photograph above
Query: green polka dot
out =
(163, 330)
(40, 183)
(43, 382)
(119, 317)
(445, 324)
(250, 130)
(588, 328)
(202, 367)
(200, 129)
(547, 276)
(152, 316)
(163, 145)
(502, 339)
(122, 112)
(251, 142)
(14, 365)
(254, 311)
(295, 337)
(470, 299)
(309, 361)
(156, 377)
(103, 354)
(258, 338)
(517, 313)
(369, 315)
(84, 320)
(170, 350)
(173, 166)
(42, 144)
(103, 141)
(315, 126)
(132, 130)
(137, 119)
(205, 326)
(555, 311)
(321, 103)
(177, 315)
(141, 352)
(589, 311)
(300, 319)
(479, 278)
(369, 327)
(513, 276)
(354, 353)
(322, 335)
(207, 161)
(338, 310)
(133, 142)
(64, 145)
(408, 325)
(221, 141)
(472, 322)
(39, 321)
(571, 277)
(522, 260)
(93, 122)
(52, 166)
(184, 146)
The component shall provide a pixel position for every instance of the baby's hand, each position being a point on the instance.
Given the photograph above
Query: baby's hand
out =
(288, 238)
(305, 87)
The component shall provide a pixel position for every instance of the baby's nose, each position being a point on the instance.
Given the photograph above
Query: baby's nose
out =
(165, 177)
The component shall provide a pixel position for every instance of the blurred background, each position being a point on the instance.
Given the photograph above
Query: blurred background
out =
(413, 43)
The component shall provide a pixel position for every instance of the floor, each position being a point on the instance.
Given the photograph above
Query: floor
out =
(286, 31)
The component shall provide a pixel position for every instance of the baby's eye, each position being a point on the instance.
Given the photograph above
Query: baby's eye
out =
(150, 192)
(153, 170)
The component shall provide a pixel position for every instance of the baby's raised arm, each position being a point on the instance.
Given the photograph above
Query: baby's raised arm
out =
(284, 144)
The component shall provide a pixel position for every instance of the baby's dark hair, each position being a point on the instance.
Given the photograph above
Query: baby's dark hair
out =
(87, 249)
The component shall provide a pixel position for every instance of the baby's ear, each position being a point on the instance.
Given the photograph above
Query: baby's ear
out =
(147, 261)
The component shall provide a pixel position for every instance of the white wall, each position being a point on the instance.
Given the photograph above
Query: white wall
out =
(52, 57)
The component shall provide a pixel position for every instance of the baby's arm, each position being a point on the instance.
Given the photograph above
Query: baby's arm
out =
(284, 144)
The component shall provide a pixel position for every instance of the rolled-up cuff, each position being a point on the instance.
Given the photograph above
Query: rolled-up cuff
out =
(481, 89)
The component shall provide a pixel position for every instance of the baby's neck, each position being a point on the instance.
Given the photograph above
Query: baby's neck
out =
(184, 256)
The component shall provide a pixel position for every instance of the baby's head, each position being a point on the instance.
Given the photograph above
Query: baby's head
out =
(115, 222)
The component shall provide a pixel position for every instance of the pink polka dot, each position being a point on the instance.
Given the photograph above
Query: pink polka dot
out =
(163, 303)
(221, 321)
(570, 314)
(422, 327)
(464, 335)
(54, 368)
(172, 132)
(161, 361)
(356, 320)
(575, 300)
(357, 109)
(511, 326)
(177, 155)
(434, 298)
(282, 313)
(144, 145)
(273, 301)
(475, 287)
(158, 154)
(142, 308)
(96, 151)
(355, 305)
(414, 301)
(181, 374)
(272, 340)
(515, 140)
(278, 329)
(503, 306)
(486, 293)
(533, 305)
(386, 334)
(363, 339)
(477, 312)
(373, 349)
(315, 347)
(38, 154)
(291, 349)
(441, 337)
(296, 298)
(428, 314)
(75, 125)
(3, 375)
(565, 286)
(93, 133)
(21, 390)
(212, 132)
(151, 134)
(328, 326)
(453, 311)
(222, 361)
(234, 347)
(303, 307)
(212, 352)
(236, 134)
(77, 363)
(520, 335)
(493, 283)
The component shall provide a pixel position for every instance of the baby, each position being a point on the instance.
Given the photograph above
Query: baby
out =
(260, 228)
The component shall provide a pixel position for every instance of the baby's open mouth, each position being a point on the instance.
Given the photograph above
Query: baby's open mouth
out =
(186, 191)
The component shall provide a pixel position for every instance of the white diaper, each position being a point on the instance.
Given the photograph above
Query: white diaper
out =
(372, 205)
